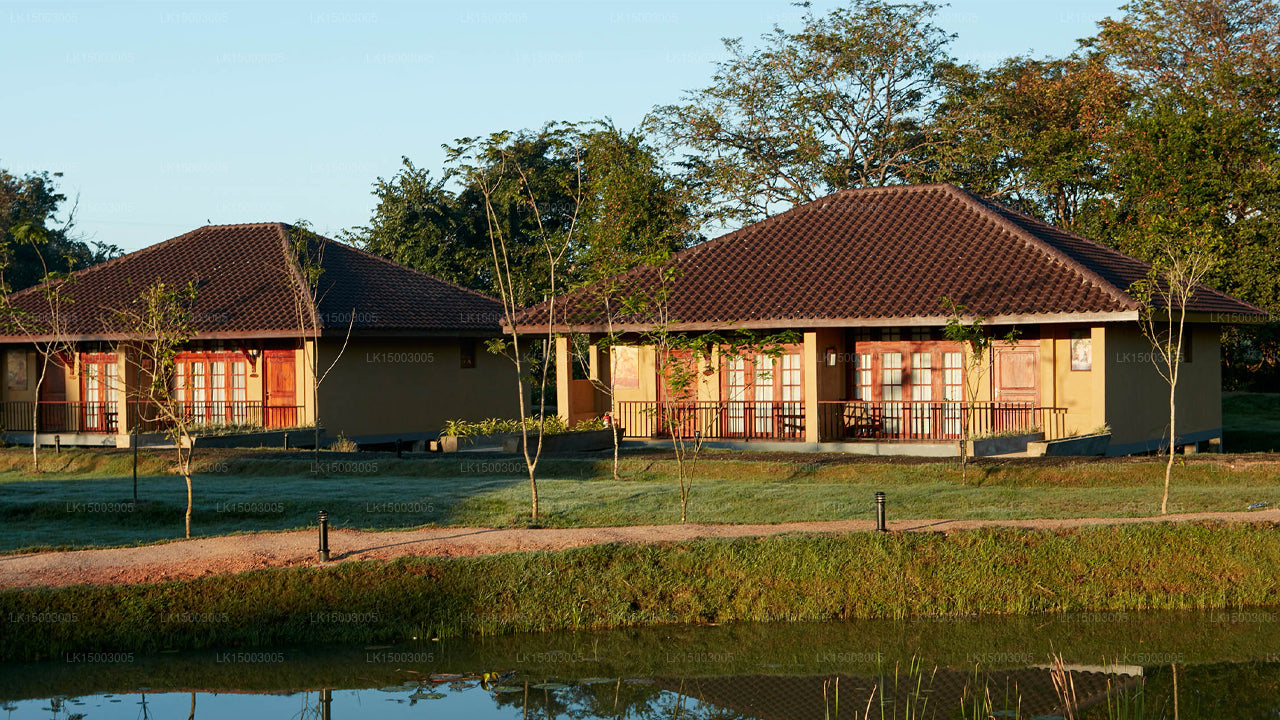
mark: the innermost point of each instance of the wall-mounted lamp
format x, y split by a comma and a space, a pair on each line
253, 354
831, 356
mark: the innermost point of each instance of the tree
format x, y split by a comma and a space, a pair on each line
494, 169
685, 362
47, 328
303, 271
633, 214
418, 222
975, 343
1225, 51
843, 102
441, 226
160, 323
1189, 255
1031, 134
447, 232
33, 201
1202, 144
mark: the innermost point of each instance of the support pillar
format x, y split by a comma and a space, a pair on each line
810, 379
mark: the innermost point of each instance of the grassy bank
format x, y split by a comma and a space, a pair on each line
780, 578
85, 497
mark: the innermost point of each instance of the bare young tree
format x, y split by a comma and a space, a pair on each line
158, 325
493, 168
1165, 294
975, 343
303, 271
46, 328
685, 361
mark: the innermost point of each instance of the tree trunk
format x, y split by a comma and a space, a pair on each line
35, 419
185, 467
533, 489
1173, 444
616, 441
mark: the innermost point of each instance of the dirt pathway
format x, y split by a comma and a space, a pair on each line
238, 553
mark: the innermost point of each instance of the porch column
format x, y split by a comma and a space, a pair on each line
811, 395
123, 428
564, 379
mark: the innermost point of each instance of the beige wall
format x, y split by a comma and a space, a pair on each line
1138, 397
384, 387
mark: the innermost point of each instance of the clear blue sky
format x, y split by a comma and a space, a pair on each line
163, 115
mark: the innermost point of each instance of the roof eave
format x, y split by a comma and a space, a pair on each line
815, 323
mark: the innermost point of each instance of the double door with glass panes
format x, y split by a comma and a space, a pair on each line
910, 391
211, 388
98, 392
764, 396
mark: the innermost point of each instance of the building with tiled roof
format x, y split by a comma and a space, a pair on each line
859, 277
406, 348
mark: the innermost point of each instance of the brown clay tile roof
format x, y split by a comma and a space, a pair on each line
247, 285
881, 255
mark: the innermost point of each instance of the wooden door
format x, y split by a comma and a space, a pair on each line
53, 398
1017, 374
1015, 386
280, 406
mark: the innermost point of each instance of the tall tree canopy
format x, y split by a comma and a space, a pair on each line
1032, 134
1200, 148
34, 240
846, 101
630, 207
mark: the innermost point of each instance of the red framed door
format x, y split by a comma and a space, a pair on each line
280, 406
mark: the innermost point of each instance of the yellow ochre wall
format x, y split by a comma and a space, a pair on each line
1081, 392
1139, 397
384, 387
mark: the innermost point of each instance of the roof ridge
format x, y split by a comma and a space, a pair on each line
980, 206
414, 270
284, 231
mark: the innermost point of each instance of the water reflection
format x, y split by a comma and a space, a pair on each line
1174, 665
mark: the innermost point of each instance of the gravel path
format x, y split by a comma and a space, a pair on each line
187, 559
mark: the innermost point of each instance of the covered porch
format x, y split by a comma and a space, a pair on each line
90, 396
838, 386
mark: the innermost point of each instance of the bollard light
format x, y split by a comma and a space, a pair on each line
324, 536
880, 513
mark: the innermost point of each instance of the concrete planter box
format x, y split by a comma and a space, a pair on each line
454, 443
1083, 445
582, 441
1003, 445
298, 438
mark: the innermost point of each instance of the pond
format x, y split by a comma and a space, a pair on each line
1084, 665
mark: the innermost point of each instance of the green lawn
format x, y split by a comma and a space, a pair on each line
83, 498
1251, 422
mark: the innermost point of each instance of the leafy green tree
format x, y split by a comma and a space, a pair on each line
1031, 134
843, 102
33, 201
417, 222
632, 207
1201, 147
441, 225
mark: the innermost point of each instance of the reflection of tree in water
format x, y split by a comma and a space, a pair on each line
620, 699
